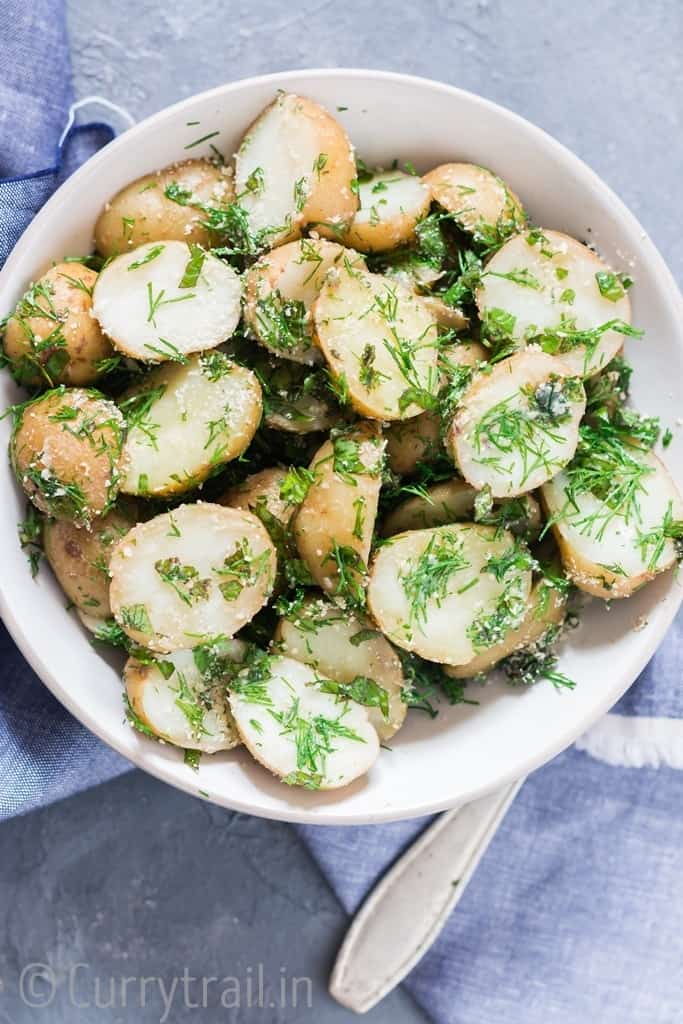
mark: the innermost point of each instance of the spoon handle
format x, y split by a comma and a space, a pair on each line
407, 909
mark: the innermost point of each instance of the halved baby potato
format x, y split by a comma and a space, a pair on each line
280, 289
391, 204
79, 558
380, 340
611, 544
465, 352
413, 442
453, 501
165, 300
190, 575
477, 199
347, 649
67, 453
451, 592
334, 524
448, 318
296, 398
187, 420
298, 731
295, 167
545, 288
52, 338
447, 502
260, 490
546, 609
143, 212
517, 425
176, 700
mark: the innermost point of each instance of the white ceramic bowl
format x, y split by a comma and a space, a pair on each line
467, 750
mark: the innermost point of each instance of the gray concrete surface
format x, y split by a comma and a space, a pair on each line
134, 878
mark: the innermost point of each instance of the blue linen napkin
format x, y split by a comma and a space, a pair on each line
573, 913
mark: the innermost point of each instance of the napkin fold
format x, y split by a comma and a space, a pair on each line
574, 913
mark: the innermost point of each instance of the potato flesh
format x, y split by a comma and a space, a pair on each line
206, 415
478, 198
448, 628
391, 204
340, 510
67, 453
79, 342
291, 274
79, 559
206, 724
221, 559
322, 635
273, 170
149, 316
561, 283
547, 608
604, 553
502, 438
142, 212
378, 338
292, 695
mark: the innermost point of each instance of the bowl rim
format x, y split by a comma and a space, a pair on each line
624, 677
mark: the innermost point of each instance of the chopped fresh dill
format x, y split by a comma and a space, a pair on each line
428, 578
295, 484
283, 324
31, 537
351, 573
183, 579
242, 569
194, 266
152, 254
362, 690
656, 538
135, 616
426, 682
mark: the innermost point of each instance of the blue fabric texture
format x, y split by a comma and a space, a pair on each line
574, 913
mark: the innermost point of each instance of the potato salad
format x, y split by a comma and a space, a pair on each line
315, 443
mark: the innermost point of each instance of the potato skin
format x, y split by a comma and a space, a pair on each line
389, 231
412, 442
79, 558
141, 212
534, 626
327, 515
260, 488
67, 453
492, 205
450, 501
79, 342
332, 201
